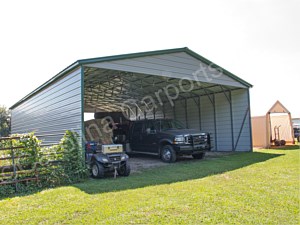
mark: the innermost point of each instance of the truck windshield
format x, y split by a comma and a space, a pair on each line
170, 124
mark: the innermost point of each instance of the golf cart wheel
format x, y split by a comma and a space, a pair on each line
199, 156
277, 142
168, 154
282, 142
97, 170
124, 170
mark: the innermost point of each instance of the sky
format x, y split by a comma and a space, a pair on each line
257, 40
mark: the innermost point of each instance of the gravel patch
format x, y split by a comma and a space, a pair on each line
140, 162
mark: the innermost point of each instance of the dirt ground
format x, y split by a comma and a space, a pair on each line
140, 162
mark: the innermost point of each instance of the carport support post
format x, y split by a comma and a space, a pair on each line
128, 113
229, 99
199, 112
250, 124
174, 111
197, 102
186, 114
244, 120
213, 103
231, 121
215, 122
163, 109
82, 111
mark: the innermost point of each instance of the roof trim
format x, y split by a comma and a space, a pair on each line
82, 62
130, 55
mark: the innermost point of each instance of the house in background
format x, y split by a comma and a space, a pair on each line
296, 122
275, 125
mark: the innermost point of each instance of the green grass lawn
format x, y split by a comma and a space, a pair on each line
244, 188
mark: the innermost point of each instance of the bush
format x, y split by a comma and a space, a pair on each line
73, 157
30, 151
63, 163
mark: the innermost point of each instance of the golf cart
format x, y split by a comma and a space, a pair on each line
106, 158
102, 154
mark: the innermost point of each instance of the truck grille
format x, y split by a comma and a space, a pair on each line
196, 139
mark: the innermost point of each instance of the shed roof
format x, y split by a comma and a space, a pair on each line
278, 108
83, 62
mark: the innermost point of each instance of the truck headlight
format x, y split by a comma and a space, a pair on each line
105, 160
178, 139
124, 157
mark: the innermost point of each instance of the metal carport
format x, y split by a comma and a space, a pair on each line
175, 83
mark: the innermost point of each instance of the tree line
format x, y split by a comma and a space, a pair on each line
4, 121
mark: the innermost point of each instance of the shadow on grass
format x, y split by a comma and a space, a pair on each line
287, 147
177, 172
185, 169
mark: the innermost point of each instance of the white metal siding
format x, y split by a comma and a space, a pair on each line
193, 113
180, 111
223, 123
207, 118
159, 114
149, 115
221, 139
52, 111
175, 65
240, 108
168, 111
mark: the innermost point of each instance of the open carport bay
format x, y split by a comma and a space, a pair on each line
175, 86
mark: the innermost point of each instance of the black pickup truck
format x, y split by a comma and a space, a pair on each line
166, 138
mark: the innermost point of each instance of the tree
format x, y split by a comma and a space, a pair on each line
4, 121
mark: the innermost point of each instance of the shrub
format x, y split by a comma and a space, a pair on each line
73, 161
30, 152
63, 163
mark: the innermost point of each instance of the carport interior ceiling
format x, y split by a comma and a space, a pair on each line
158, 77
108, 90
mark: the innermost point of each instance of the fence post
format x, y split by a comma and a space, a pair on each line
13, 164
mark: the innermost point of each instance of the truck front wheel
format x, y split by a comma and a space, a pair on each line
124, 170
199, 156
97, 170
168, 154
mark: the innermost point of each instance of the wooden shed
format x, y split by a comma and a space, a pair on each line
276, 124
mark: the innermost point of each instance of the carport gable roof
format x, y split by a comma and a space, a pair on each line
83, 62
161, 52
